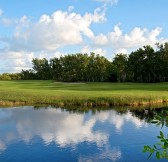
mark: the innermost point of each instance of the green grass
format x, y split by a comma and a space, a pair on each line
83, 94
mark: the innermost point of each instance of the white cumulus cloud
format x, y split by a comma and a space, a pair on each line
54, 125
53, 31
123, 42
15, 61
44, 37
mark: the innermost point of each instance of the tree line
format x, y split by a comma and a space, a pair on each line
142, 65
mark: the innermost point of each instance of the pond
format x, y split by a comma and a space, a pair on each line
50, 134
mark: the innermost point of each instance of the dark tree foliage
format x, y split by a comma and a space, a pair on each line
119, 66
143, 65
71, 68
28, 75
42, 68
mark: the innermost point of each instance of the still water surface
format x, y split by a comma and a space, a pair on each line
54, 135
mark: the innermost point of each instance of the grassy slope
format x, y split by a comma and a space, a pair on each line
89, 94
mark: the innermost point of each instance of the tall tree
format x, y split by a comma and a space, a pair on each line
120, 67
143, 65
42, 68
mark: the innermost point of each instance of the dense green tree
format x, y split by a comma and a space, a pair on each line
42, 68
28, 75
119, 66
162, 60
142, 65
97, 69
56, 69
80, 67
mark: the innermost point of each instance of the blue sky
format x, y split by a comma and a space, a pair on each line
51, 28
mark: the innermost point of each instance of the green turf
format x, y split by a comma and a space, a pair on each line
87, 94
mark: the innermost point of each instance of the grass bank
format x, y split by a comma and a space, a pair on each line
82, 94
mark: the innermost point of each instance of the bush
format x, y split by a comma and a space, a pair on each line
5, 77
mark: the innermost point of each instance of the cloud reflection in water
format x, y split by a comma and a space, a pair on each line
64, 128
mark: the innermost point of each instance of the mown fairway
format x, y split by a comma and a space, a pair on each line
87, 94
